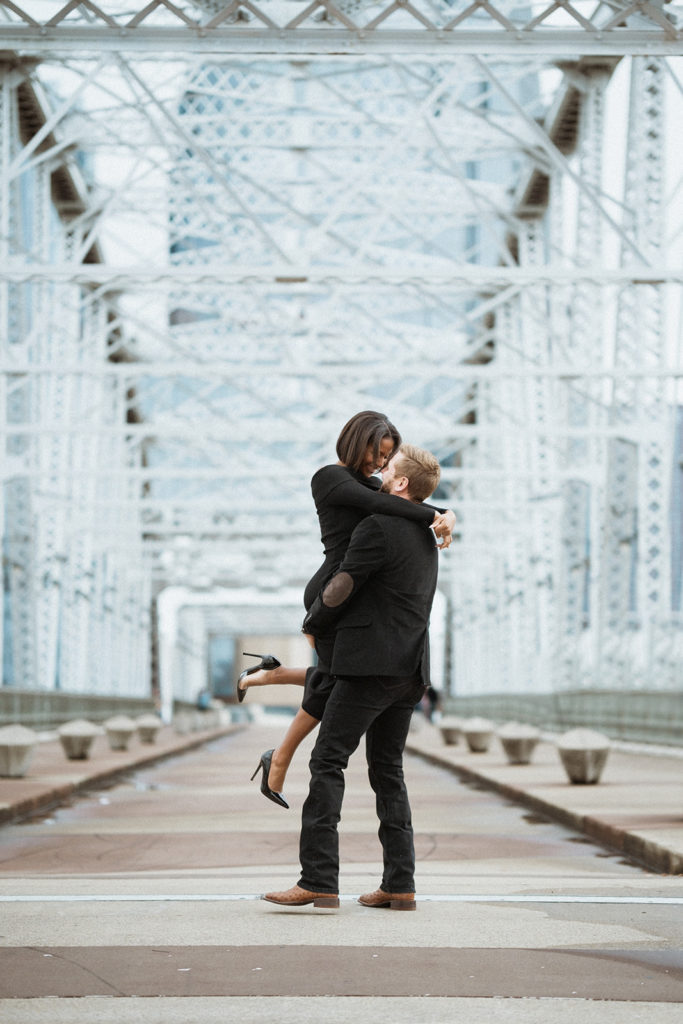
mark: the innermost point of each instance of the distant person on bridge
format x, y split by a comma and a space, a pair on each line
377, 607
344, 494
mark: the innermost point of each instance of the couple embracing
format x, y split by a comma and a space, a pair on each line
369, 618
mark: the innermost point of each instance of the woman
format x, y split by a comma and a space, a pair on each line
344, 494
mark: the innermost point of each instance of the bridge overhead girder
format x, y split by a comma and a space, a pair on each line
440, 28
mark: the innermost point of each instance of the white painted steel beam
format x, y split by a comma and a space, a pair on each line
338, 30
233, 435
337, 43
301, 280
216, 370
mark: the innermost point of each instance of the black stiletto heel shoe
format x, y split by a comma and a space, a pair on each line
264, 766
267, 662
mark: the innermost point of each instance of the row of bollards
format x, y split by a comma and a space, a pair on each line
185, 722
17, 742
583, 752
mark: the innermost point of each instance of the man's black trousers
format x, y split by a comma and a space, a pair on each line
379, 707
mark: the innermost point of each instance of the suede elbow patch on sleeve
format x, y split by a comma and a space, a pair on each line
337, 590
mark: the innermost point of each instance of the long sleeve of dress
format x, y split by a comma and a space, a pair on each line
339, 488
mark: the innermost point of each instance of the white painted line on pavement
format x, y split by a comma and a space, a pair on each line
216, 897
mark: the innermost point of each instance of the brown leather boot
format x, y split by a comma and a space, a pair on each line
392, 900
298, 897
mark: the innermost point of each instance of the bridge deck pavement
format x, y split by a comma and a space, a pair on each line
140, 903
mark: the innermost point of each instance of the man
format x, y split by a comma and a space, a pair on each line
378, 603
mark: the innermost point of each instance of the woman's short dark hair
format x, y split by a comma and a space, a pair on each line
365, 429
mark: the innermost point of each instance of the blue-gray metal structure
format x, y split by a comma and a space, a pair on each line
226, 227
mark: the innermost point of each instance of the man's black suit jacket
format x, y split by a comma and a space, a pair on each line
379, 601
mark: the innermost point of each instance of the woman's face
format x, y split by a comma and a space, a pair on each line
370, 463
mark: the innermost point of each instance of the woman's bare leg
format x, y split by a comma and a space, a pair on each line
301, 725
281, 675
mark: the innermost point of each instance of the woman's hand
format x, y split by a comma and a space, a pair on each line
443, 527
311, 640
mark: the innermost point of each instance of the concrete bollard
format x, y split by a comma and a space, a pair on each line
213, 718
148, 726
201, 721
583, 753
16, 748
224, 716
182, 723
119, 730
451, 729
77, 738
518, 741
478, 732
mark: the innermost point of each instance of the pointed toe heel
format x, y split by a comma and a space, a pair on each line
267, 662
264, 767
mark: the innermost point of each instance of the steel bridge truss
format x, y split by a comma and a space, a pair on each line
208, 261
322, 27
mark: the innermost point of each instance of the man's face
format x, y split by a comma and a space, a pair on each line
391, 474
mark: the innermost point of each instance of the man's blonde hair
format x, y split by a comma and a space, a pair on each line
422, 469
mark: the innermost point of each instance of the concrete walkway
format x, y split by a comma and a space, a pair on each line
140, 905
